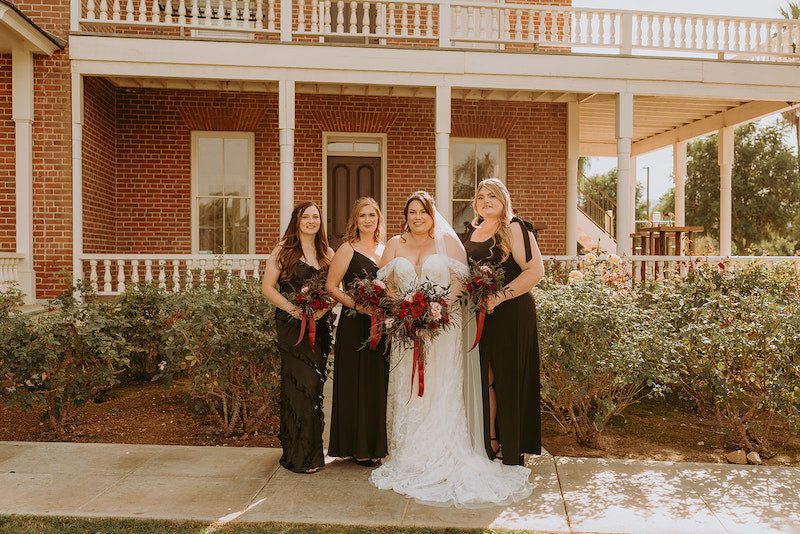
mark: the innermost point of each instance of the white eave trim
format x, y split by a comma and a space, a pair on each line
13, 23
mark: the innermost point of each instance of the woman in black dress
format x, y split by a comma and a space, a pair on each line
302, 253
360, 375
509, 346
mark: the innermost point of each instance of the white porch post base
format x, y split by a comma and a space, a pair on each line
22, 114
573, 153
443, 194
625, 204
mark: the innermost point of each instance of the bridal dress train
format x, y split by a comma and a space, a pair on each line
431, 452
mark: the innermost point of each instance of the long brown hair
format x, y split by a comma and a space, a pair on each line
499, 190
292, 250
428, 205
351, 234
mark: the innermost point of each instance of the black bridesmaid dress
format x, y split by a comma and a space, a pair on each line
302, 378
360, 380
510, 345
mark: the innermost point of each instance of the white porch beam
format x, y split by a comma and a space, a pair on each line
573, 153
725, 157
744, 113
22, 115
443, 112
77, 174
679, 173
624, 131
286, 125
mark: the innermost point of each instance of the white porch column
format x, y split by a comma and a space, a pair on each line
725, 158
634, 177
77, 174
573, 153
443, 193
625, 204
679, 172
22, 114
286, 129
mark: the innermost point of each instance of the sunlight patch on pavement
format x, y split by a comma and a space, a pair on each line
222, 521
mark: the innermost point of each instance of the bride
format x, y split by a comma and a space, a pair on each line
431, 453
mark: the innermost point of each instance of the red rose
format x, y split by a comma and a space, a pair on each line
377, 289
470, 287
317, 304
478, 281
445, 318
419, 297
402, 313
405, 305
363, 291
492, 286
417, 312
374, 299
299, 298
434, 325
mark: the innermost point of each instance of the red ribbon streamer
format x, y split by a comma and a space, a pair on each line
418, 366
481, 318
375, 322
312, 331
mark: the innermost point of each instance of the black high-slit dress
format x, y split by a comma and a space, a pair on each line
302, 378
510, 345
360, 380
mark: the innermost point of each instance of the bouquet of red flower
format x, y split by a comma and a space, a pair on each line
419, 316
370, 294
482, 282
311, 298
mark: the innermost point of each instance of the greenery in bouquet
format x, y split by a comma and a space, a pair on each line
369, 294
310, 299
481, 282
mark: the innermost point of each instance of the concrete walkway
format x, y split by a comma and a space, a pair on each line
222, 484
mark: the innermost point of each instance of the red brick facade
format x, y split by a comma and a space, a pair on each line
99, 166
8, 223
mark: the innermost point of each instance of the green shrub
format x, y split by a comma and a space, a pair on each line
600, 352
62, 359
226, 340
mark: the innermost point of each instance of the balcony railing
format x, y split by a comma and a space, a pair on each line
596, 205
455, 23
9, 269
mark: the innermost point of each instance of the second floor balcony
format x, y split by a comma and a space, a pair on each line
448, 24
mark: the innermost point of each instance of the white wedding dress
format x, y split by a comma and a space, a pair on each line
431, 455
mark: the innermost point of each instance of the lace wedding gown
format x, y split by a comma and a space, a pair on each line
432, 458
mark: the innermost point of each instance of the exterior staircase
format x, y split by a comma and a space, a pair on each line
596, 222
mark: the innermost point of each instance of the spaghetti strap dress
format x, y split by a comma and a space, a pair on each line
302, 378
510, 345
360, 379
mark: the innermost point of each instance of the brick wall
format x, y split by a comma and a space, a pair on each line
99, 166
52, 151
154, 163
536, 152
8, 241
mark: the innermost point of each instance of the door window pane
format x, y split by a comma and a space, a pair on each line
473, 161
463, 170
462, 213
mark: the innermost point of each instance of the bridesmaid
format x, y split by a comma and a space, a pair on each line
302, 252
509, 346
360, 375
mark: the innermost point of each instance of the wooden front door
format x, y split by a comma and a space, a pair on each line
349, 178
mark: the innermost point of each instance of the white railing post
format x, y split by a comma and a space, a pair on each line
626, 34
444, 23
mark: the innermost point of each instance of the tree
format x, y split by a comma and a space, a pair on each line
792, 116
764, 189
607, 183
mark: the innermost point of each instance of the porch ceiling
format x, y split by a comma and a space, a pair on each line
658, 121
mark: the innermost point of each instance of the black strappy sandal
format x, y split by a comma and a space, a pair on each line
498, 454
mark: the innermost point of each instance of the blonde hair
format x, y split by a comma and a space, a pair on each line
351, 234
500, 191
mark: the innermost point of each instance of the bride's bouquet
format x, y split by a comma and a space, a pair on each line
370, 294
482, 281
311, 298
419, 316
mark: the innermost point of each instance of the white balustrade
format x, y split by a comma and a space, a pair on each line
567, 28
9, 269
172, 272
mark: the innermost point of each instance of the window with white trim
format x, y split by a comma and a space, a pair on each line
223, 183
472, 160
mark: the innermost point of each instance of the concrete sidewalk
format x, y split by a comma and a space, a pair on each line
222, 484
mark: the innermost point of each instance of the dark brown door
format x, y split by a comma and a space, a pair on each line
349, 178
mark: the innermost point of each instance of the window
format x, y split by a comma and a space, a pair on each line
223, 219
473, 160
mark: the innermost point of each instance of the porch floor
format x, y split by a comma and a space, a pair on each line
225, 484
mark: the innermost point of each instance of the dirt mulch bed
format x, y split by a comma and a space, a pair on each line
147, 413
